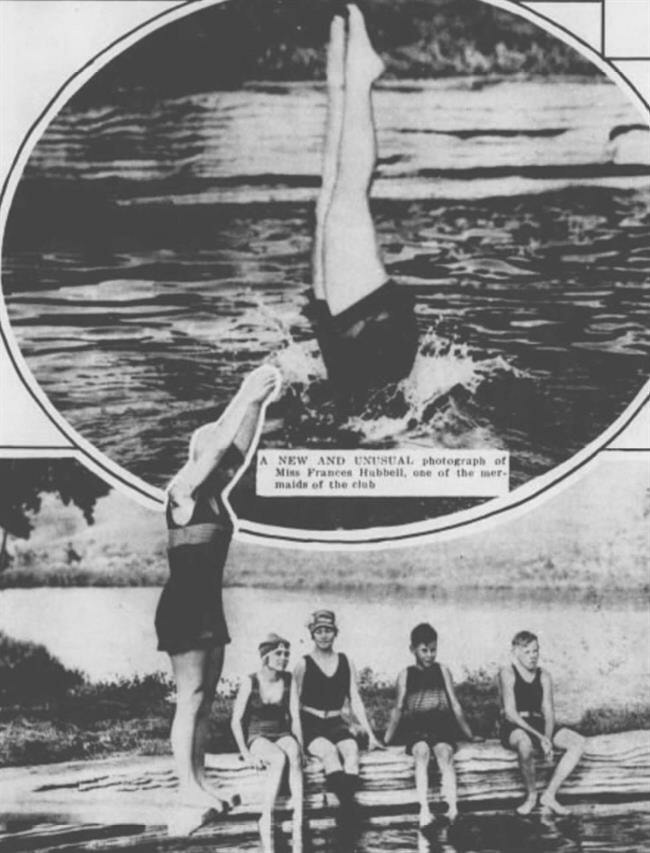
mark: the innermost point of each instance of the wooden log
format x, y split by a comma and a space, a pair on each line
143, 789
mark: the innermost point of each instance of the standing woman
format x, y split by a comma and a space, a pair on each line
190, 621
266, 726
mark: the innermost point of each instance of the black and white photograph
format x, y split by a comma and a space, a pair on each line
324, 426
431, 219
88, 698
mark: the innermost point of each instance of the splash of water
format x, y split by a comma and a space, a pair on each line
440, 368
427, 406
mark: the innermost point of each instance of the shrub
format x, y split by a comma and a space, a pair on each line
29, 674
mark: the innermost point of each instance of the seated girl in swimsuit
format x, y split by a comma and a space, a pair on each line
266, 726
326, 683
365, 324
190, 621
432, 720
529, 721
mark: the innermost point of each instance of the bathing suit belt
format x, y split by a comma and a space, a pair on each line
324, 715
193, 534
385, 298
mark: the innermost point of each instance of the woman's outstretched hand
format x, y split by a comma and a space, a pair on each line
260, 384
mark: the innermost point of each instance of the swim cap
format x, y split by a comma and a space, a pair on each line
322, 619
270, 643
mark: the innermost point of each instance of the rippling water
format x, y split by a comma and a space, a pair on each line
156, 254
603, 829
497, 833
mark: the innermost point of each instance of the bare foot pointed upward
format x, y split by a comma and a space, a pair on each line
362, 59
335, 67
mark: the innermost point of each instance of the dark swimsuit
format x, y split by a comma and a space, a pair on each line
328, 694
190, 610
528, 702
427, 711
270, 720
372, 343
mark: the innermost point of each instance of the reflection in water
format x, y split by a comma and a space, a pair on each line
503, 833
600, 831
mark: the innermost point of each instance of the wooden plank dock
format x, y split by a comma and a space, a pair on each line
120, 800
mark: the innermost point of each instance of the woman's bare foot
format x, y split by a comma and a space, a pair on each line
548, 802
187, 819
362, 60
335, 66
528, 805
452, 811
199, 796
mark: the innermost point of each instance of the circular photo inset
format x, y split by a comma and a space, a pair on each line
432, 219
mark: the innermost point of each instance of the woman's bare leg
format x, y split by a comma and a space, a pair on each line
334, 123
212, 668
352, 266
290, 747
275, 759
191, 700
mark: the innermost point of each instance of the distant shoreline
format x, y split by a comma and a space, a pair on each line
587, 591
231, 43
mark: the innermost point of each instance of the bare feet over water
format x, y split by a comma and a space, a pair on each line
205, 797
528, 805
549, 803
361, 61
452, 812
185, 820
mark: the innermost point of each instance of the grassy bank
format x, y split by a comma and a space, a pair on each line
49, 714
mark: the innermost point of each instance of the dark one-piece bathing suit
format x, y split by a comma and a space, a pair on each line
427, 714
528, 702
372, 343
326, 695
270, 720
190, 610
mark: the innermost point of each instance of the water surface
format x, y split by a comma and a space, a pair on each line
155, 254
594, 650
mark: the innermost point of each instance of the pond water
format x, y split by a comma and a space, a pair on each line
156, 253
594, 829
616, 832
597, 653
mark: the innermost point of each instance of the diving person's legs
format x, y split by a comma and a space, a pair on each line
335, 83
352, 267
